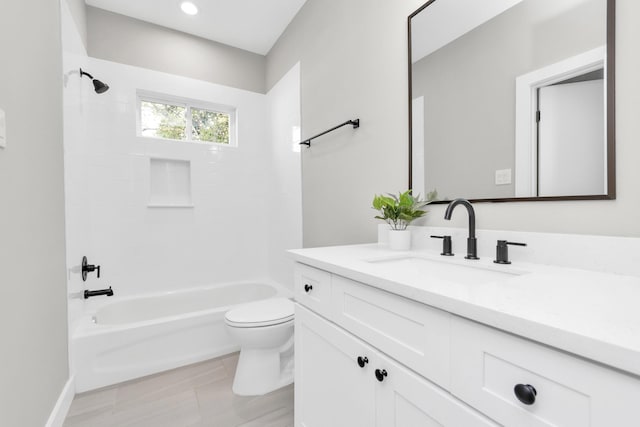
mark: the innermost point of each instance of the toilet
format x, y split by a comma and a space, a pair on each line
264, 330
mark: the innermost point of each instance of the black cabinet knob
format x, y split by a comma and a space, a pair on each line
525, 393
362, 361
307, 287
380, 374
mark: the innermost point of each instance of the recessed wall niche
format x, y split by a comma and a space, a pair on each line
170, 183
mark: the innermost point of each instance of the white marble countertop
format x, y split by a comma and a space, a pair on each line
591, 314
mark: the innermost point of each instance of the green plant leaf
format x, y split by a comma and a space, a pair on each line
399, 210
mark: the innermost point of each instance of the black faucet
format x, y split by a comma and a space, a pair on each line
446, 245
502, 251
472, 251
88, 268
107, 292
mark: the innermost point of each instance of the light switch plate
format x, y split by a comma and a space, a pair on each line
503, 176
3, 129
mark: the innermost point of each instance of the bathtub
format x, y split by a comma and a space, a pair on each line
131, 337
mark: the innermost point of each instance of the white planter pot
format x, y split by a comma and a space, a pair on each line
399, 240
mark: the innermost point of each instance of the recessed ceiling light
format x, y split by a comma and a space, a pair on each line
189, 8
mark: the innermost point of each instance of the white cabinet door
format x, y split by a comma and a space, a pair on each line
331, 388
404, 399
411, 333
521, 383
313, 288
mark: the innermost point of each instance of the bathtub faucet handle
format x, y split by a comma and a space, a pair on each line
88, 268
95, 268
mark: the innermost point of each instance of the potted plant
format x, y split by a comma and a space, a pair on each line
399, 211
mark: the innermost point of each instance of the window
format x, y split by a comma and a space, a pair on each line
167, 117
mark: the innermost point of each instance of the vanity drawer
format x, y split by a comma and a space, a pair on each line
487, 364
313, 288
412, 333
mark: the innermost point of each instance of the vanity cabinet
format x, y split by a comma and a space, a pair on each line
367, 357
343, 382
331, 388
558, 389
313, 288
411, 333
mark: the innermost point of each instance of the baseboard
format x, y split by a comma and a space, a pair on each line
59, 413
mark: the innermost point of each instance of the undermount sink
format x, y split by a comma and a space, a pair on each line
445, 271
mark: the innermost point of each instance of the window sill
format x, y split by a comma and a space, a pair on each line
169, 205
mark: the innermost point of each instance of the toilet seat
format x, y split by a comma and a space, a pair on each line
269, 312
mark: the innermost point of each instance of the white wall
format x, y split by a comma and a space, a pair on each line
285, 203
78, 11
77, 211
33, 358
143, 249
246, 199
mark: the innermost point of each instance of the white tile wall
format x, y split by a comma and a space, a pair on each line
169, 183
77, 212
246, 199
285, 213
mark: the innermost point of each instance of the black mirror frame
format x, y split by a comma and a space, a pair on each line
611, 123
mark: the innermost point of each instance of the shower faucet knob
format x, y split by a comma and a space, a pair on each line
88, 268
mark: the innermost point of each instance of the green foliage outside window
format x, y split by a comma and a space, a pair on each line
209, 126
168, 121
163, 120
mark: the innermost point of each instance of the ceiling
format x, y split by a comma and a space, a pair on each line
443, 22
252, 25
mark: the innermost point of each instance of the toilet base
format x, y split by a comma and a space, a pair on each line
261, 371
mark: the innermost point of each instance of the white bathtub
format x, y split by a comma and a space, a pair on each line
132, 337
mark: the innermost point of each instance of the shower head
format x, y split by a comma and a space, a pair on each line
98, 86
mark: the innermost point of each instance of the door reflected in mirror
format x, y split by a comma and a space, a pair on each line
512, 99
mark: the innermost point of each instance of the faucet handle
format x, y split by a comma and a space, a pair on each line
502, 251
88, 268
446, 245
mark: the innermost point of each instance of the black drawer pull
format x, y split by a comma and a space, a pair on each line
307, 287
362, 361
380, 374
525, 393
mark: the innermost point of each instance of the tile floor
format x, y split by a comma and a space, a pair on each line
193, 396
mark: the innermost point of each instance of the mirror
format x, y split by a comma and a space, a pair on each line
512, 100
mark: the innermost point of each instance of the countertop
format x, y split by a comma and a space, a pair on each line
591, 314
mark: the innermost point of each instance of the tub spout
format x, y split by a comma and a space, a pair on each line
107, 292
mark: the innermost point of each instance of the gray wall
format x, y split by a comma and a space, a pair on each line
33, 318
130, 41
78, 9
472, 81
353, 63
353, 58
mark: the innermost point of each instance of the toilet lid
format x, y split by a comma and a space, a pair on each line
266, 312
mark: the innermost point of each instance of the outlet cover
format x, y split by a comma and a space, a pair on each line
503, 176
